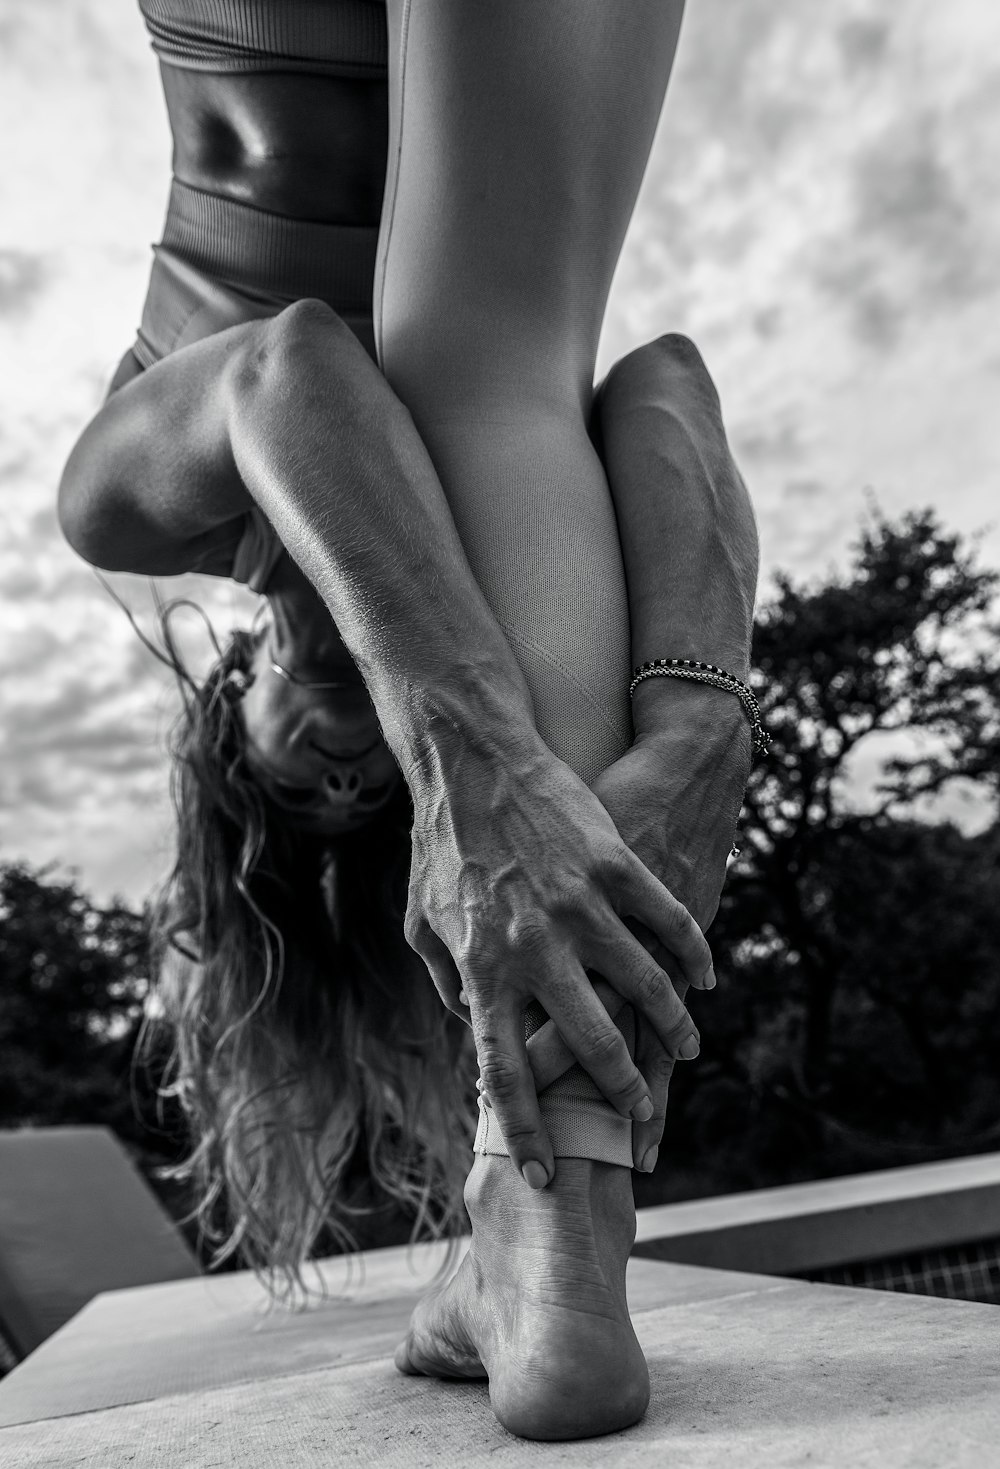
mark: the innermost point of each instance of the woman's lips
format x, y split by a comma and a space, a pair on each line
342, 757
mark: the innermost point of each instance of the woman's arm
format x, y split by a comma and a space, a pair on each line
689, 544
688, 534
291, 415
152, 479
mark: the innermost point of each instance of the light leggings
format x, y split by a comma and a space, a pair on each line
519, 133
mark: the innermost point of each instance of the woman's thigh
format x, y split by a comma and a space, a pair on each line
519, 134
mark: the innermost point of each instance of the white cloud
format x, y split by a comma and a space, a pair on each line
819, 213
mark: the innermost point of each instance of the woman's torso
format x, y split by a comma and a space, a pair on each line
280, 104
307, 147
278, 111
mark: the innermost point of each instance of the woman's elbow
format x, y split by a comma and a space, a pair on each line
74, 514
83, 511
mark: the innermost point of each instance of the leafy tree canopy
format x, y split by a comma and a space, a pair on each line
858, 1024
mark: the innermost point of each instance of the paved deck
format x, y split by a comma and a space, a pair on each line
747, 1371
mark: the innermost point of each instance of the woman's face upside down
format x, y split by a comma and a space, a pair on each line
317, 752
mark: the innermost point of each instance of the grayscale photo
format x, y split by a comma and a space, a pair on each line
500, 734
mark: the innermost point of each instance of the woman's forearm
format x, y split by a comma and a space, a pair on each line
333, 459
688, 535
290, 413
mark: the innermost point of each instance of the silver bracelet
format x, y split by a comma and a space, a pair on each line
697, 672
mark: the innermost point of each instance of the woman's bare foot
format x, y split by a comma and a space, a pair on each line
538, 1303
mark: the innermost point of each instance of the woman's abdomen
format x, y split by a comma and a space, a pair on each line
307, 147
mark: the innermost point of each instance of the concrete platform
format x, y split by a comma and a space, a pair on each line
747, 1371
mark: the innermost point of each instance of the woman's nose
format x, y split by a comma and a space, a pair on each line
343, 786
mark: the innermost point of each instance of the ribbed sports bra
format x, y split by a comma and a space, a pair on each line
345, 38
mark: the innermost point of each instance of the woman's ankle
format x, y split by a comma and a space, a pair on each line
582, 1192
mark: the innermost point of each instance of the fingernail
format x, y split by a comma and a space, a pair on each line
710, 980
534, 1175
643, 1111
689, 1048
463, 998
649, 1160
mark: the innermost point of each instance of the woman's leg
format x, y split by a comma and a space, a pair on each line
518, 138
519, 135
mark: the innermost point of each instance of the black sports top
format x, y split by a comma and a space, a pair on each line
330, 37
221, 262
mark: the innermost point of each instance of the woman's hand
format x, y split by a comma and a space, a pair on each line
677, 811
675, 798
520, 883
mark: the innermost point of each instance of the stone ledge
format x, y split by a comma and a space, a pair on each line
746, 1370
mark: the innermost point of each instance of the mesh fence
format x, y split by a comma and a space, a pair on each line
969, 1272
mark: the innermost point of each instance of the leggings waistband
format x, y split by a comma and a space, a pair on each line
257, 251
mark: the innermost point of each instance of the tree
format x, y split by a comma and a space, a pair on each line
73, 981
859, 1014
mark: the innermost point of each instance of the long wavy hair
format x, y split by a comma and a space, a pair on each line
304, 1033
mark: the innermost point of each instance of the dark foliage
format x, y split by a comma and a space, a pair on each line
73, 980
857, 1024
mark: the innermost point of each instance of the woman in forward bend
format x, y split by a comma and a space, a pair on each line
518, 138
251, 436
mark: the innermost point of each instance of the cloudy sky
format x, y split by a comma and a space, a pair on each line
820, 213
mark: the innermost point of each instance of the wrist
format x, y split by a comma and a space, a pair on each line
693, 726
440, 729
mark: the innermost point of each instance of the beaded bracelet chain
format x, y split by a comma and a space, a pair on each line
697, 672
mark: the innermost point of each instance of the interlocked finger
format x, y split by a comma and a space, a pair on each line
444, 972
642, 982
668, 919
657, 1066
509, 1086
549, 1055
596, 1042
